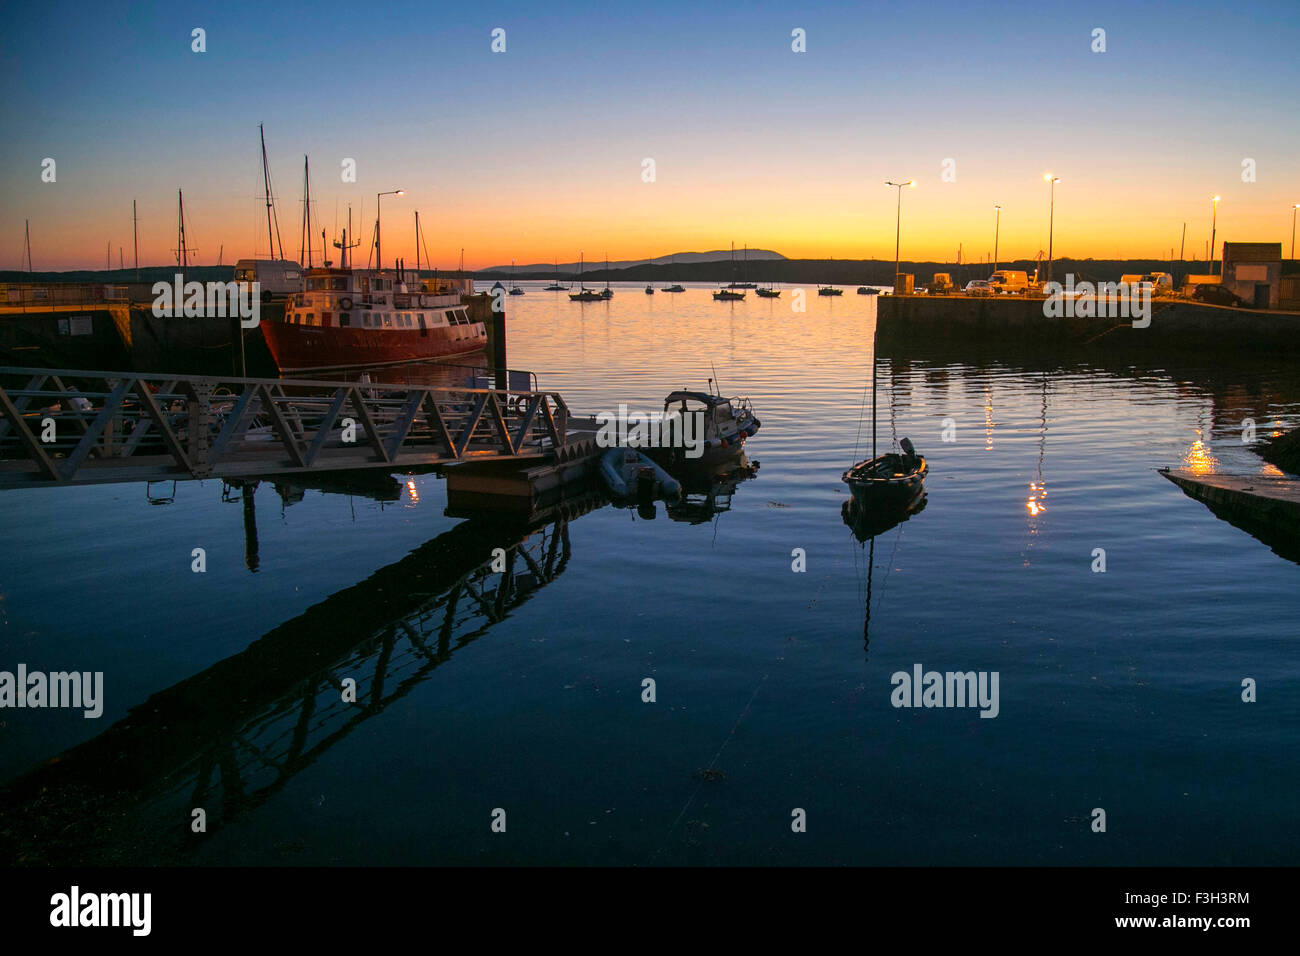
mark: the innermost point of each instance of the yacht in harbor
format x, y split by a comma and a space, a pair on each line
729, 293
584, 294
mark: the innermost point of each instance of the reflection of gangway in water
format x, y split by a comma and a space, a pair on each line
230, 738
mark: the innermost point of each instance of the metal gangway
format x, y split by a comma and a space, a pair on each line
68, 427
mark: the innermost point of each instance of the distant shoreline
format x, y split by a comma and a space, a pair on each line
790, 271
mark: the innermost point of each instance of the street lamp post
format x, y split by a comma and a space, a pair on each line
1051, 221
898, 222
1214, 223
997, 226
379, 257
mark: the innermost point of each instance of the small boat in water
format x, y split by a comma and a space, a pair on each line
607, 292
768, 293
676, 286
829, 290
888, 482
729, 293
628, 474
649, 290
584, 294
555, 286
727, 423
867, 290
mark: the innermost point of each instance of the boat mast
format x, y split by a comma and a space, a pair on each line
135, 239
182, 258
417, 244
27, 242
343, 246
873, 392
306, 174
270, 206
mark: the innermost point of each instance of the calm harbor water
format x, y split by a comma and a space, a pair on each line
1118, 690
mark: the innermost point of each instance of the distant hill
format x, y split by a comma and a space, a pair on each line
540, 270
148, 274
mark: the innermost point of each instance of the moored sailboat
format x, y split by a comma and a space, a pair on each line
555, 286
583, 294
729, 294
888, 482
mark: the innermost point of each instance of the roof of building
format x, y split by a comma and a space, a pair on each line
1256, 251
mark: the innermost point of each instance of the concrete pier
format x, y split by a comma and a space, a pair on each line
1174, 324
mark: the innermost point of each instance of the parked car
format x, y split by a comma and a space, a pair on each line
980, 287
1215, 294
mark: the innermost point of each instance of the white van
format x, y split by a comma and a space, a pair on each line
1006, 281
1157, 283
278, 277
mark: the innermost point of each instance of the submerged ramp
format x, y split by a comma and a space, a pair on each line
1264, 506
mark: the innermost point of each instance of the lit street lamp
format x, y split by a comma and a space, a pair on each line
997, 225
898, 221
379, 258
1214, 223
1051, 221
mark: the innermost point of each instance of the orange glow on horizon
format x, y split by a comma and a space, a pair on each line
828, 218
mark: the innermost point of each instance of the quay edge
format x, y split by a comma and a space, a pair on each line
1174, 324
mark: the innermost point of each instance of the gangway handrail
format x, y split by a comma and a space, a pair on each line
61, 426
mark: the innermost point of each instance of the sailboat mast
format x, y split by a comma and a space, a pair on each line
417, 244
306, 177
266, 180
873, 393
27, 242
182, 257
135, 239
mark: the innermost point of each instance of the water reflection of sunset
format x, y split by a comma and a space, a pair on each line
1199, 460
1037, 502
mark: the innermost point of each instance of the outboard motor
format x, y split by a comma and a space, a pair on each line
646, 486
908, 449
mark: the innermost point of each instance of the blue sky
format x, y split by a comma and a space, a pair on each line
531, 153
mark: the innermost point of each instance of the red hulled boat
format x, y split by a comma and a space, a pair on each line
346, 318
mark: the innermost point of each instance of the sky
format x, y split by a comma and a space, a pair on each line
539, 152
